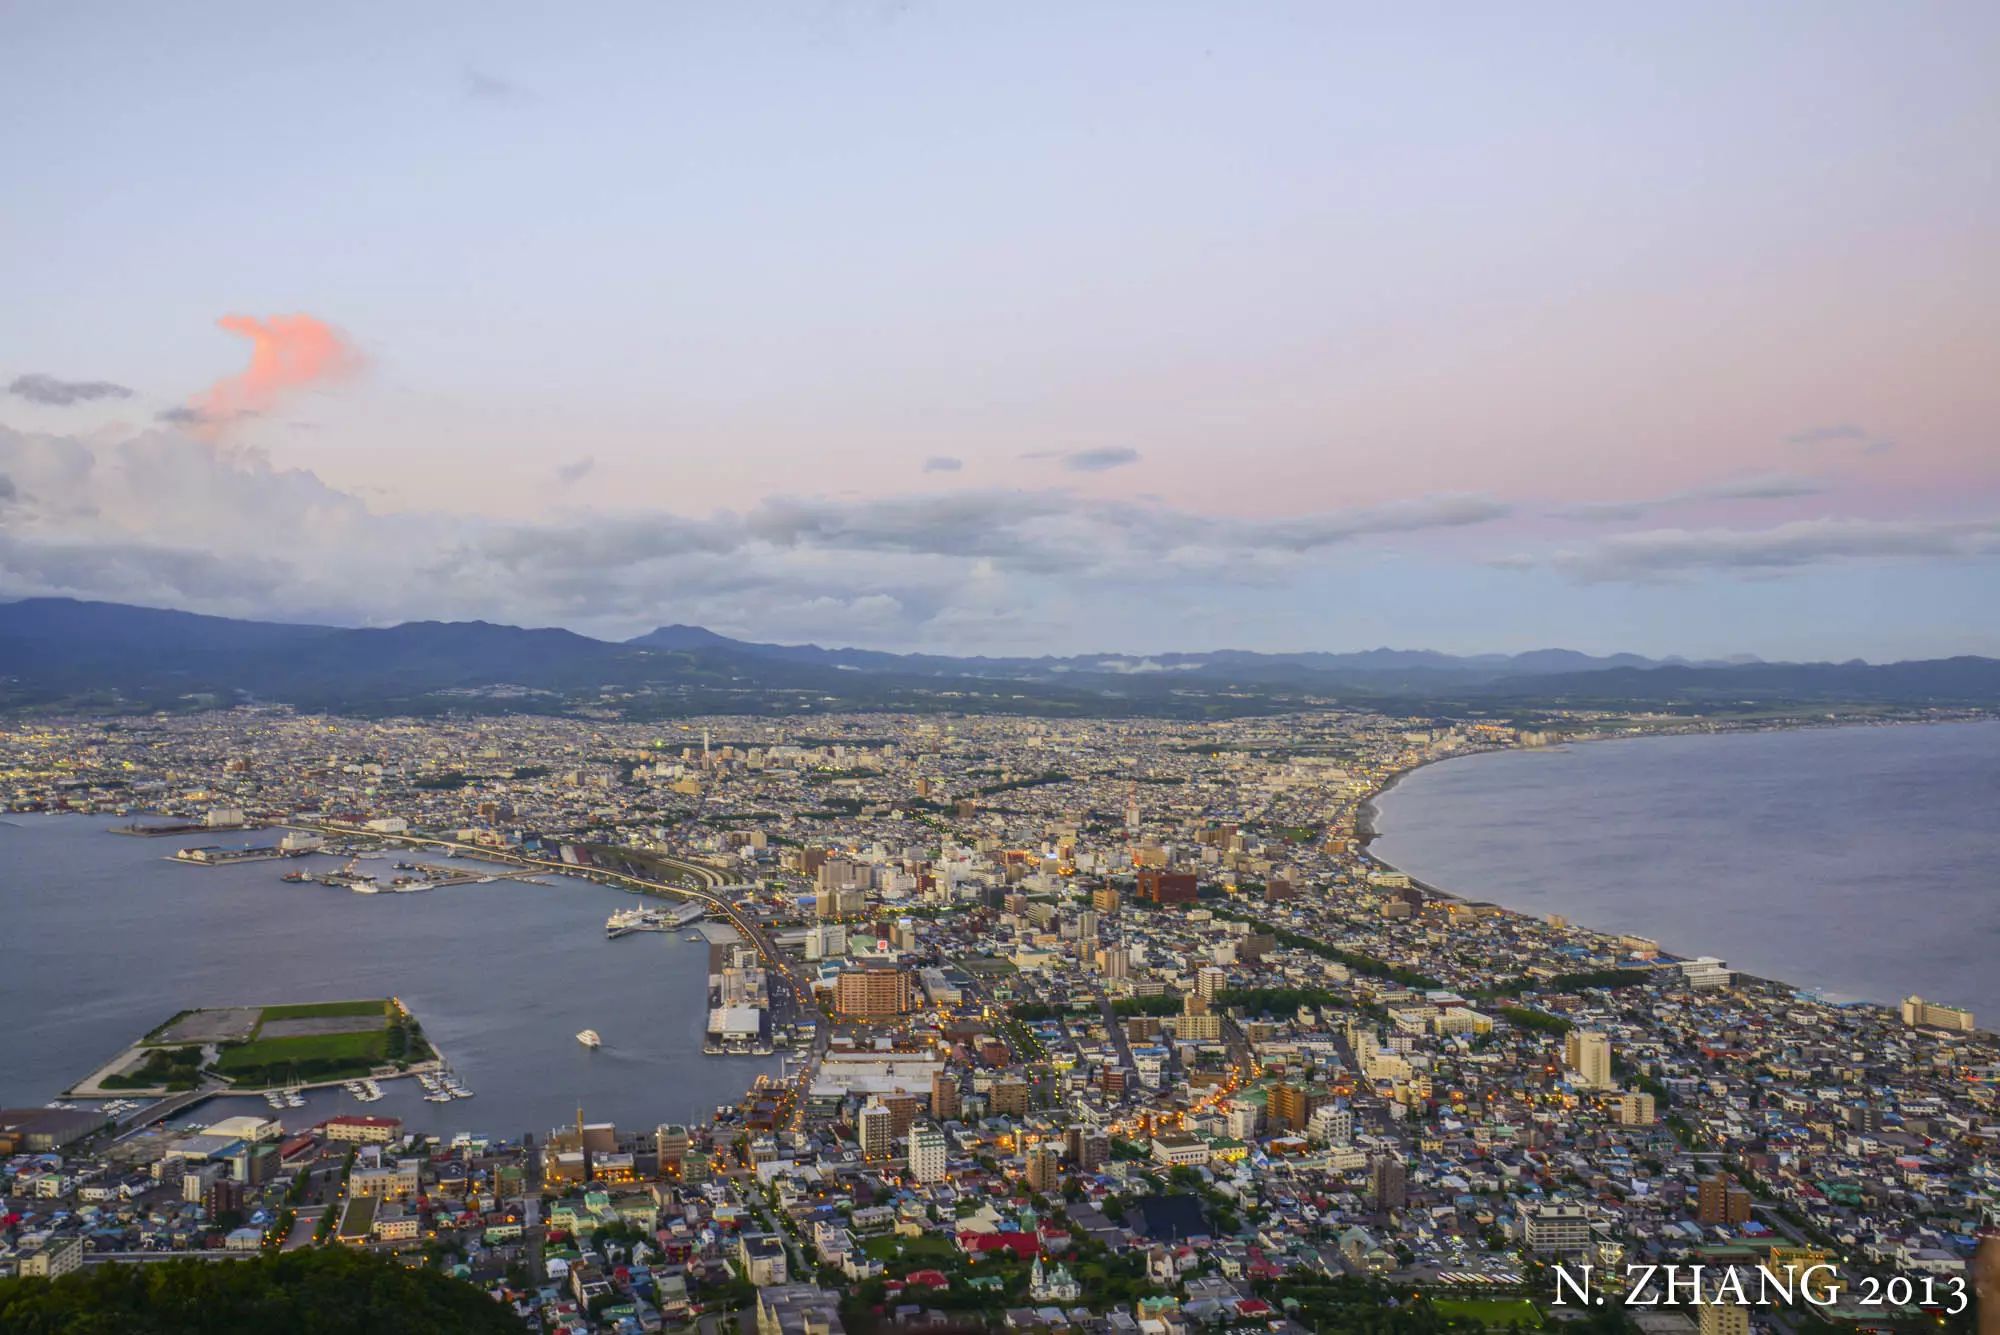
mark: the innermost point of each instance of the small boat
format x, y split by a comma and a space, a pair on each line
297, 878
589, 1038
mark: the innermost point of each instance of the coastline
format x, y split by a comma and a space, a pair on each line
1368, 830
460, 1012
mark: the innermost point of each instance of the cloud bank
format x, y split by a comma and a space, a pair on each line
172, 517
1662, 554
1753, 487
52, 392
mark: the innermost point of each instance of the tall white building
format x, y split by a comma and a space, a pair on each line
1552, 1229
1331, 1124
1587, 1053
826, 941
927, 1153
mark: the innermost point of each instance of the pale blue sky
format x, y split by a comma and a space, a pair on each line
664, 308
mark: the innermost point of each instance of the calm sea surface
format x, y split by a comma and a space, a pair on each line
100, 940
1861, 862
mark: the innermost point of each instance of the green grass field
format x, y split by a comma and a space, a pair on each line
281, 1059
1493, 1313
264, 1052
315, 1009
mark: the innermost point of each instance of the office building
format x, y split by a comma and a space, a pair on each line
1161, 886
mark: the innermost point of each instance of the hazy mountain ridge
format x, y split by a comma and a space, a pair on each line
56, 652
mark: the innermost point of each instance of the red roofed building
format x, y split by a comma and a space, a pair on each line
1024, 1245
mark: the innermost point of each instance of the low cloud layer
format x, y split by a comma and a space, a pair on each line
481, 86
1753, 487
177, 518
1841, 435
172, 517
1661, 554
52, 392
1089, 461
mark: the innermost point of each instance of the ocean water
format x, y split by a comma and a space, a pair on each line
1860, 862
101, 938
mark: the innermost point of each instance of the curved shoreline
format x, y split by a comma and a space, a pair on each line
1367, 830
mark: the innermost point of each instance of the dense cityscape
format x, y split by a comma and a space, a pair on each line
1109, 1026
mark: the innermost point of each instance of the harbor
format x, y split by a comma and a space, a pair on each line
411, 877
188, 940
649, 918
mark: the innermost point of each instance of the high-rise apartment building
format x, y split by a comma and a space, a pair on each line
1044, 1167
874, 993
1556, 1230
1289, 1107
945, 1102
1009, 1097
1722, 1200
1637, 1108
873, 1126
1387, 1182
1587, 1054
1088, 1148
927, 1153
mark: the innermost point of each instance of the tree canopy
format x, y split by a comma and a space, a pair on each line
315, 1292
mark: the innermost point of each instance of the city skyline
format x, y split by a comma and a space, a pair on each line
912, 329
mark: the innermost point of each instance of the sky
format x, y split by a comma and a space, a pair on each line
1022, 328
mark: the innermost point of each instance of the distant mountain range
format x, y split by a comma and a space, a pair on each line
61, 653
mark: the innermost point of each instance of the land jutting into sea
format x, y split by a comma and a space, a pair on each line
1145, 975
